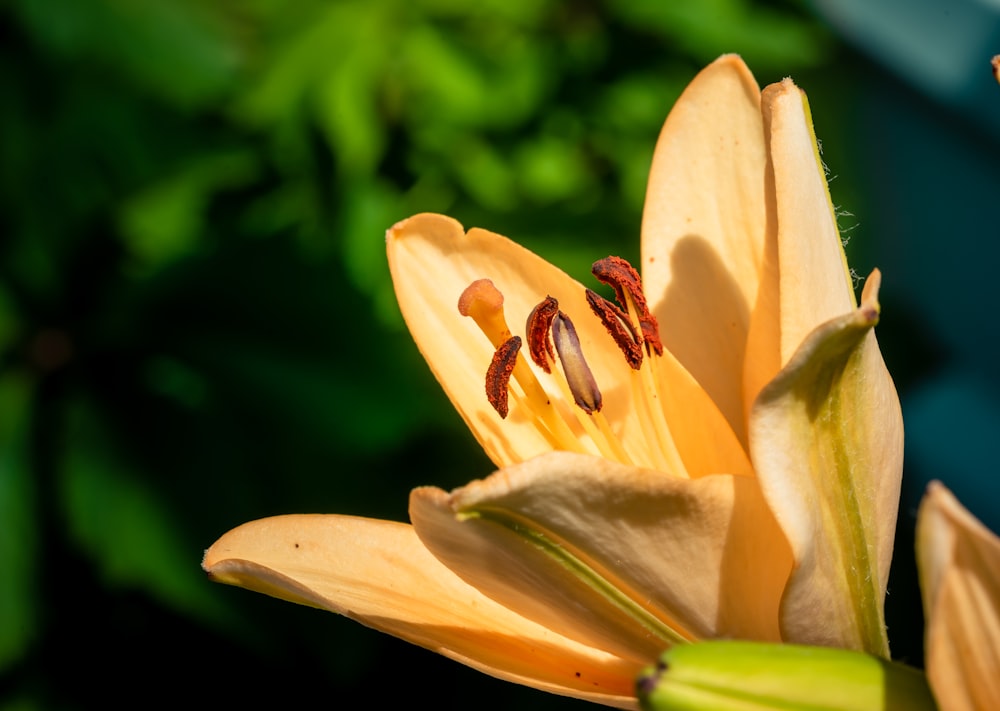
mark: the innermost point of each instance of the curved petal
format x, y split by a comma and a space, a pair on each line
703, 228
613, 556
378, 573
959, 563
704, 437
815, 280
805, 281
827, 444
433, 260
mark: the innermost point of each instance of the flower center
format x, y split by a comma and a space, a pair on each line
552, 340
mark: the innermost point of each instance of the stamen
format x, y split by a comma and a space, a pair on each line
484, 303
619, 325
624, 279
565, 427
499, 372
578, 376
537, 331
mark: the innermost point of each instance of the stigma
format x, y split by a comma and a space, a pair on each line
551, 337
483, 303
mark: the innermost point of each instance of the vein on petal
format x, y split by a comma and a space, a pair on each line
826, 439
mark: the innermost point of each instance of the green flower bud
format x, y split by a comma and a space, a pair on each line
751, 676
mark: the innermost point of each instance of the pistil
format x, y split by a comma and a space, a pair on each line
483, 302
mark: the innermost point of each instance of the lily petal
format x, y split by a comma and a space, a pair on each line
703, 228
704, 437
619, 558
959, 563
827, 443
805, 279
378, 573
815, 281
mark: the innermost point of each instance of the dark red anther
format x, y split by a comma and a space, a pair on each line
537, 328
623, 278
499, 372
619, 326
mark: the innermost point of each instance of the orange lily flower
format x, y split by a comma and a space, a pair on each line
718, 455
959, 563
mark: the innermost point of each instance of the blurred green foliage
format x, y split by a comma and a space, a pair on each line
196, 318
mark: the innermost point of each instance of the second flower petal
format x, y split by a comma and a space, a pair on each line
618, 558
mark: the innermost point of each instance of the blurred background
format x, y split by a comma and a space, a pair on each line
197, 326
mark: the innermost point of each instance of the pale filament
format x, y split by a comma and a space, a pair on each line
647, 392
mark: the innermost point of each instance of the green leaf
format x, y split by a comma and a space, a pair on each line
18, 542
181, 50
167, 219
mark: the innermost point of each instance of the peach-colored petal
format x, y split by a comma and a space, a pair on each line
827, 444
959, 563
618, 558
805, 280
703, 228
816, 283
704, 437
378, 573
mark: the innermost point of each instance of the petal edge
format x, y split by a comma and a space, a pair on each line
378, 573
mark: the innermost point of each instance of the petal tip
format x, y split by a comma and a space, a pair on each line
423, 222
870, 308
730, 63
731, 59
429, 495
773, 93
